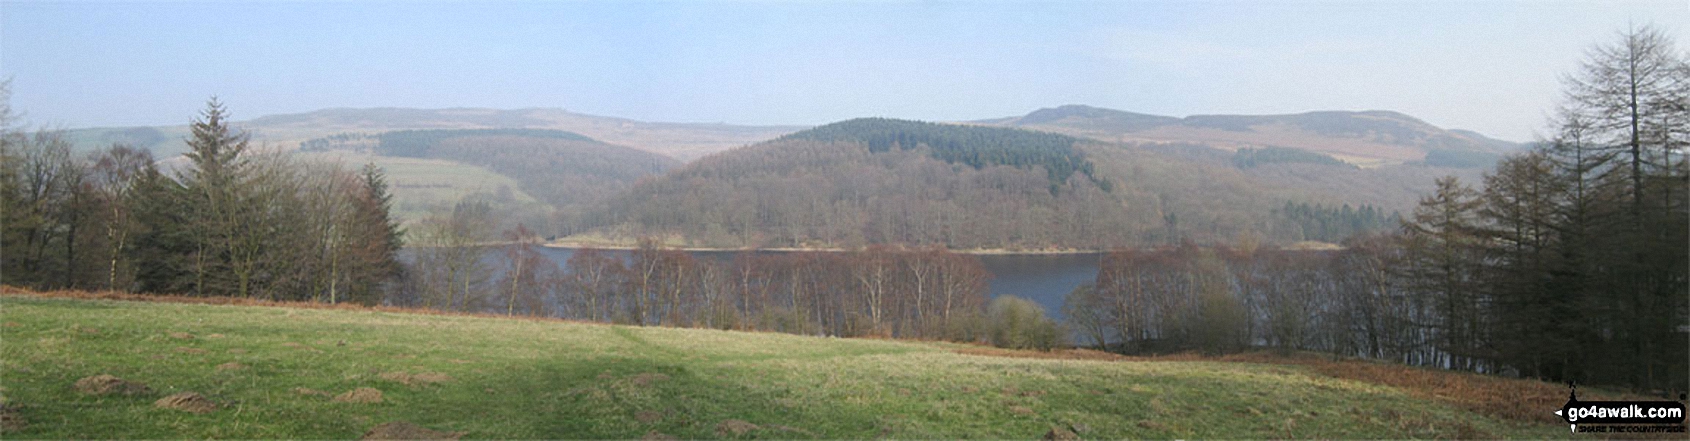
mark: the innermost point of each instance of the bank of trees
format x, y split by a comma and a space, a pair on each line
230, 221
924, 293
1568, 262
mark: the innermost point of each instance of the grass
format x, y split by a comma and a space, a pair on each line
514, 378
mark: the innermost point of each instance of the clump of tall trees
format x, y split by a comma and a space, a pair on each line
227, 221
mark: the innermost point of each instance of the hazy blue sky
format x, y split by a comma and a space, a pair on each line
1488, 66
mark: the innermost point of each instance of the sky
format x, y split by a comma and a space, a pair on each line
1491, 66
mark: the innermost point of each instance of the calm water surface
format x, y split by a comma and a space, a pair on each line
1042, 278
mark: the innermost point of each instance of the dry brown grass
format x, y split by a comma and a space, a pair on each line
1498, 397
7, 290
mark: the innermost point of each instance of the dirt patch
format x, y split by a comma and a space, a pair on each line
10, 421
1150, 425
214, 336
658, 436
647, 379
231, 366
188, 350
735, 427
105, 384
187, 401
11, 324
457, 361
421, 379
648, 417
181, 336
360, 395
405, 430
311, 392
1061, 434
806, 433
237, 351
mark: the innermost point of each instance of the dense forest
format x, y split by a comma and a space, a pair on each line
230, 222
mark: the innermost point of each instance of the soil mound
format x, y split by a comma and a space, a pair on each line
105, 384
647, 379
312, 392
404, 430
735, 427
187, 401
10, 421
360, 395
421, 379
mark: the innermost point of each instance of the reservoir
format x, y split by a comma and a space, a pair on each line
1043, 278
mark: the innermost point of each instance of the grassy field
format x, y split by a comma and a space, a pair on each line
272, 372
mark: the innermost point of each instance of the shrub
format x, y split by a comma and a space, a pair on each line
1018, 323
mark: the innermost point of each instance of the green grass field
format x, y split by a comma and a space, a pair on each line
504, 378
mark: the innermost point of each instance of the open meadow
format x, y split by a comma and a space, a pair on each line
291, 372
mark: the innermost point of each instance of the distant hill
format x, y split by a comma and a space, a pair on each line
566, 170
682, 141
962, 186
1367, 138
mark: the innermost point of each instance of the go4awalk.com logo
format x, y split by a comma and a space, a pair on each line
1622, 416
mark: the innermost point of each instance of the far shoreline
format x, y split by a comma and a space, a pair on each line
576, 245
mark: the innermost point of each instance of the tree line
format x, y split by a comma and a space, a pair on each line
920, 293
228, 221
1568, 262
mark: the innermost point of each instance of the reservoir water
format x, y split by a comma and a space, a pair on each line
1045, 279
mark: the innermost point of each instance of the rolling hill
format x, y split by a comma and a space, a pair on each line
105, 369
875, 180
1156, 178
1369, 138
565, 171
682, 141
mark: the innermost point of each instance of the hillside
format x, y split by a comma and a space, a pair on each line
1370, 138
871, 181
288, 372
682, 141
567, 172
